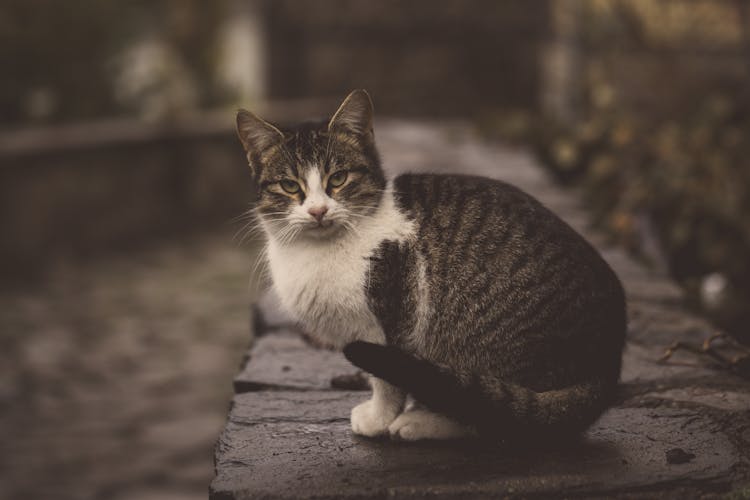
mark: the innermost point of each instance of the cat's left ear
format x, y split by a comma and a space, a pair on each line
255, 133
354, 116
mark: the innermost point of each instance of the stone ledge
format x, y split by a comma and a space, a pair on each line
284, 361
289, 437
298, 443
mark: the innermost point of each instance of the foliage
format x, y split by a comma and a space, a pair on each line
663, 155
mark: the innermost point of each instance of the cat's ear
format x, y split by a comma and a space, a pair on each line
256, 134
354, 116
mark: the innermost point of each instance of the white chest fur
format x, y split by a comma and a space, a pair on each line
322, 282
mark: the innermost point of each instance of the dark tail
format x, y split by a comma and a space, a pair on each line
494, 407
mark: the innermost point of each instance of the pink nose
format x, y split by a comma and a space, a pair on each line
318, 212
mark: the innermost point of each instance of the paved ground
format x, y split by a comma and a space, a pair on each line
680, 429
115, 376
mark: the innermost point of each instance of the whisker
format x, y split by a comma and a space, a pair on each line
260, 267
242, 217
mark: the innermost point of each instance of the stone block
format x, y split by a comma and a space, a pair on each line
295, 444
286, 361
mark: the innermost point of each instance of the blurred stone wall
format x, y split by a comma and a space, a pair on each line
419, 57
167, 58
86, 189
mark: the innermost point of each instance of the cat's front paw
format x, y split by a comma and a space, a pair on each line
371, 420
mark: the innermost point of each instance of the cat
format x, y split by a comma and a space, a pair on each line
465, 293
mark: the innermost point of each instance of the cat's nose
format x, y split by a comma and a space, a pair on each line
318, 212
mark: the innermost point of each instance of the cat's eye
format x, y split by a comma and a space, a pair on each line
289, 186
337, 179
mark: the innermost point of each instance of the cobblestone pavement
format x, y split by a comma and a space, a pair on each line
680, 429
116, 374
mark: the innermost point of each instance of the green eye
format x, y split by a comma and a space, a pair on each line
289, 186
338, 178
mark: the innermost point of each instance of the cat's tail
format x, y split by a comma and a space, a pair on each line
492, 406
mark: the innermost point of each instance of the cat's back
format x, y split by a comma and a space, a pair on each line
462, 218
507, 270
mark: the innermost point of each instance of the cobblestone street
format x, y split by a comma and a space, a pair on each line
116, 374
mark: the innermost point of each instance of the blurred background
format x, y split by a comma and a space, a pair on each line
124, 260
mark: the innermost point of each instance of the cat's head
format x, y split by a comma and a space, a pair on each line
319, 179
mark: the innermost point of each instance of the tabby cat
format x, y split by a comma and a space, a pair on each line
463, 292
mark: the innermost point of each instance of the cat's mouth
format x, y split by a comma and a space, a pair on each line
323, 229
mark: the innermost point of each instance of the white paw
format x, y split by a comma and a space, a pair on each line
421, 424
371, 420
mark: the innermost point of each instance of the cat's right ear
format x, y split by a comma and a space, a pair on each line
256, 135
354, 116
